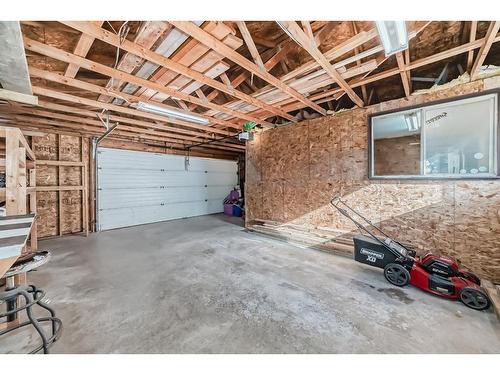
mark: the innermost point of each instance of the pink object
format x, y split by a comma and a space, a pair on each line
234, 195
228, 209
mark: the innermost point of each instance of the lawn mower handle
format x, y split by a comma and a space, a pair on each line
347, 211
335, 200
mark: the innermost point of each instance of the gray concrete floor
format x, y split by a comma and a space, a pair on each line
205, 285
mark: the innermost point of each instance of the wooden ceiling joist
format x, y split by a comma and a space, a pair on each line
61, 55
472, 37
195, 56
138, 126
121, 119
313, 66
308, 44
252, 48
146, 37
306, 25
209, 150
124, 131
292, 106
112, 107
357, 50
485, 47
402, 72
278, 54
308, 83
93, 127
205, 38
54, 77
113, 39
171, 44
82, 48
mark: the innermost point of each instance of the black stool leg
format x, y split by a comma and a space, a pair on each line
34, 321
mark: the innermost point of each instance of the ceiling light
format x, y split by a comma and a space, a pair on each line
412, 121
393, 36
171, 113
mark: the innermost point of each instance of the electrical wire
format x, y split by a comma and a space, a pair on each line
122, 34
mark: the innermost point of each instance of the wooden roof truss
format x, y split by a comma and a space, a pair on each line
201, 68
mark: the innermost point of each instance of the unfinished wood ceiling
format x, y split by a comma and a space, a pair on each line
229, 73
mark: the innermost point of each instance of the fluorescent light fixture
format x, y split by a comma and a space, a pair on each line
171, 113
412, 121
393, 35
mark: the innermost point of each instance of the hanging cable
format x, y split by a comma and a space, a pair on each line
122, 34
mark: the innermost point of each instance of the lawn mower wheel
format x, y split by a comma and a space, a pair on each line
474, 298
396, 274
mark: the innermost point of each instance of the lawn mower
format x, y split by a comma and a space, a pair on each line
435, 274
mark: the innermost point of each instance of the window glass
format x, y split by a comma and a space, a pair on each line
459, 139
397, 144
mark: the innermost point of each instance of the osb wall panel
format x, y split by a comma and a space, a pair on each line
294, 171
50, 208
397, 156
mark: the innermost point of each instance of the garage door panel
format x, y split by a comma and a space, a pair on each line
200, 164
129, 216
116, 198
115, 179
138, 187
122, 159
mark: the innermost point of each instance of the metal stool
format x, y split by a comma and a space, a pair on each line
32, 296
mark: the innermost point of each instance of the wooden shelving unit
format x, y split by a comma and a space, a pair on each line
17, 161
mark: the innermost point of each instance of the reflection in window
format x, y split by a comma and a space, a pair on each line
397, 144
454, 139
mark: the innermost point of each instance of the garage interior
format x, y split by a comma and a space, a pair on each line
171, 186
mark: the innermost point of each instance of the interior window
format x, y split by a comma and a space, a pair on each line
454, 139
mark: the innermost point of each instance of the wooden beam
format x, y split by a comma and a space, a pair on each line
390, 72
407, 62
326, 95
357, 50
18, 97
264, 42
61, 55
146, 37
207, 39
225, 79
308, 31
97, 128
343, 48
278, 54
472, 37
163, 61
485, 48
191, 54
54, 77
298, 34
115, 118
81, 49
112, 107
402, 73
125, 131
250, 44
450, 53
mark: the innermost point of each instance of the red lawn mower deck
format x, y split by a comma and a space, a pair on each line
435, 274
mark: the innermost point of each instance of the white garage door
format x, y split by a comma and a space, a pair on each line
142, 187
